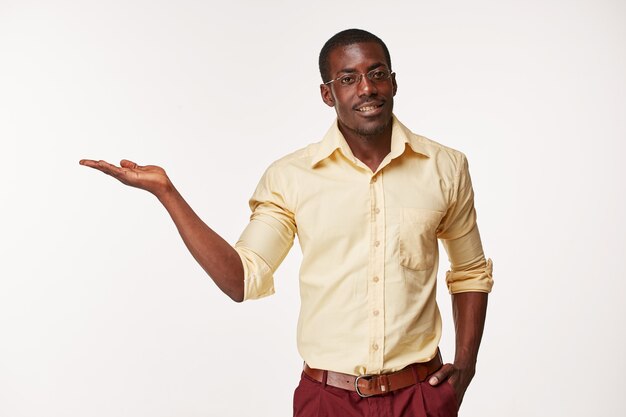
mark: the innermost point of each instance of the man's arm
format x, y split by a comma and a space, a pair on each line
216, 256
469, 281
469, 310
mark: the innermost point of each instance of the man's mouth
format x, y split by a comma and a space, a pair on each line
368, 107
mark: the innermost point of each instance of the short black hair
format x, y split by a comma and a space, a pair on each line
345, 38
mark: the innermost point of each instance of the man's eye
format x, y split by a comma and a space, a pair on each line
346, 79
378, 75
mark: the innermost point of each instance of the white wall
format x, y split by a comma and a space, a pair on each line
104, 313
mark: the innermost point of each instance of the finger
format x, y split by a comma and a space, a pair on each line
109, 169
441, 375
125, 163
88, 162
99, 165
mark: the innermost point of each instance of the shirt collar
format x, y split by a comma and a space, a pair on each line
400, 136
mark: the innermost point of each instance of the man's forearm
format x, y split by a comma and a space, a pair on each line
469, 310
216, 256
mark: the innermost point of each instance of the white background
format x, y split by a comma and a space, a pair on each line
104, 313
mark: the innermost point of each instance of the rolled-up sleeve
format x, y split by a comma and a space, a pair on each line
469, 270
268, 237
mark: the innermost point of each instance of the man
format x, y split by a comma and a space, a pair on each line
368, 203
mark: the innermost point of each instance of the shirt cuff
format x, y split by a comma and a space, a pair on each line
258, 278
478, 278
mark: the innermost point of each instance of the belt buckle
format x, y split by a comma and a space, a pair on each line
356, 385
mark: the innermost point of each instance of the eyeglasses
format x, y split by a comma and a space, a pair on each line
375, 75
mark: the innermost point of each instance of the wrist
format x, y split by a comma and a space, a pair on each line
466, 369
465, 364
166, 193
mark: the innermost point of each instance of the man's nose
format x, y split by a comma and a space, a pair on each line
365, 86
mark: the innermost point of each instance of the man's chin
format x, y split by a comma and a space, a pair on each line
366, 128
375, 130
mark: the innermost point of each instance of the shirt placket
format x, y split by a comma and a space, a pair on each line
376, 280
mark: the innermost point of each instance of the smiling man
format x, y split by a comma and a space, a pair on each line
368, 204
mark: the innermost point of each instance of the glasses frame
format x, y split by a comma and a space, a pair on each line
360, 75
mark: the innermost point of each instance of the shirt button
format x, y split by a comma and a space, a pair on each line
375, 347
374, 179
377, 243
377, 210
375, 279
376, 312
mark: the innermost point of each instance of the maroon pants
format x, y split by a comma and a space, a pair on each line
314, 399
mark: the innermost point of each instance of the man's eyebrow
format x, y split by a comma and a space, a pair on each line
371, 67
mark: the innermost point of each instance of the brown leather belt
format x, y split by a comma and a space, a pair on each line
369, 385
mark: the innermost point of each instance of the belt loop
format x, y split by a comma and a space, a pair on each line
417, 377
324, 378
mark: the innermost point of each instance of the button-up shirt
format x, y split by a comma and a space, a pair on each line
369, 245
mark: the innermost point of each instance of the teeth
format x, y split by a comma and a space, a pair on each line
368, 108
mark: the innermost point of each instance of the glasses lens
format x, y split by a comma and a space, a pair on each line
378, 74
348, 79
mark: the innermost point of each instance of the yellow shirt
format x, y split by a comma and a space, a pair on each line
369, 244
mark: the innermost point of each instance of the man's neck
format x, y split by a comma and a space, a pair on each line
369, 149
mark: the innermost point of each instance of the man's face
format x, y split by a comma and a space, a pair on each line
366, 106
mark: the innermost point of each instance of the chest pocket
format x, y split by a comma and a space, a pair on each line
418, 238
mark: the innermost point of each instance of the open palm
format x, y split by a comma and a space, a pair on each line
151, 178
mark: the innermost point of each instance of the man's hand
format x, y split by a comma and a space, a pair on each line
458, 378
150, 177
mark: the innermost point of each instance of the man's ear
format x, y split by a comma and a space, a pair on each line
394, 83
327, 95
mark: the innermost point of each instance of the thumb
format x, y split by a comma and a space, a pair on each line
125, 163
441, 375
